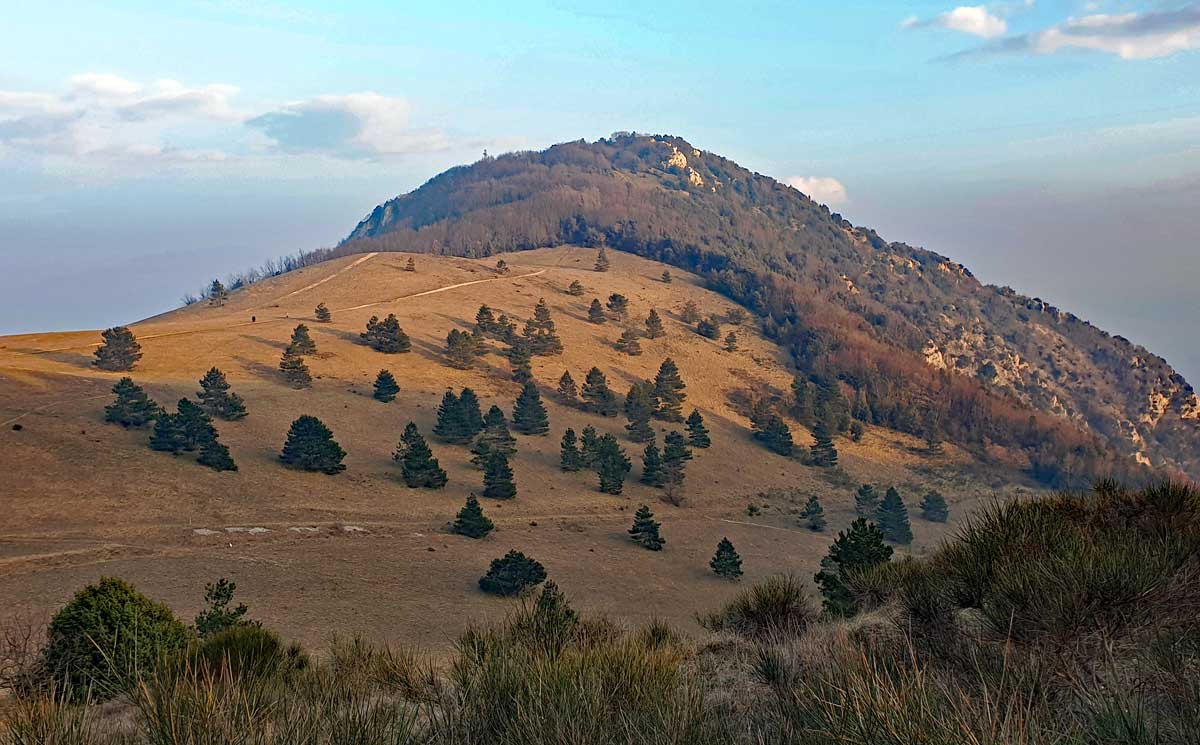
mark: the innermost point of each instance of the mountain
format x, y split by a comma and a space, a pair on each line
911, 335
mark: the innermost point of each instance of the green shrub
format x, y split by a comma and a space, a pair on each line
106, 634
777, 605
511, 574
247, 649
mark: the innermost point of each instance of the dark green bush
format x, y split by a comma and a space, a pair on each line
247, 649
777, 605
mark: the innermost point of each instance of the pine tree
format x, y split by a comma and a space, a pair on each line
567, 392
856, 549
824, 454
518, 357
498, 477
302, 342
167, 436
132, 407
709, 328
495, 436
215, 455
802, 402
195, 423
575, 288
628, 343
485, 321
892, 518
529, 413
654, 325
539, 333
618, 304
322, 313
675, 456
731, 342
736, 316
570, 459
588, 443
690, 313
511, 574
295, 372
866, 501
217, 294
596, 312
468, 404
645, 530
726, 563
813, 515
502, 266
479, 345
597, 397
856, 431
460, 350
451, 425
697, 432
602, 260
386, 336
770, 429
418, 467
666, 277
652, 473
668, 389
410, 265
639, 408
471, 521
934, 508
931, 430
386, 387
611, 464
310, 446
119, 352
217, 399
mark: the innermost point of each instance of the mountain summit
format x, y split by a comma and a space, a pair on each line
916, 339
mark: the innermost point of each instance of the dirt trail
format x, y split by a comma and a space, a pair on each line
320, 282
441, 289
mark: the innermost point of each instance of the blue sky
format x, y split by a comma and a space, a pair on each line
1051, 146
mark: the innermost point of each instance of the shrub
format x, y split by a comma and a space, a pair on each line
777, 605
108, 632
511, 574
247, 650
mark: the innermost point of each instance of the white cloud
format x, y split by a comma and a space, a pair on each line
1130, 36
824, 189
976, 20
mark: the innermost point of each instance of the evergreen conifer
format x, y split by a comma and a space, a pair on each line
934, 508
539, 333
295, 372
618, 305
386, 387
597, 397
386, 336
824, 454
892, 518
690, 313
167, 436
215, 455
654, 325
726, 563
596, 312
217, 294
460, 350
639, 408
567, 392
628, 343
310, 446
509, 575
813, 515
495, 436
645, 530
709, 328
195, 423
668, 389
471, 521
575, 288
611, 464
119, 351
570, 458
601, 260
485, 321
697, 433
519, 358
529, 413
498, 477
731, 342
322, 314
468, 404
217, 399
302, 342
418, 467
856, 549
410, 265
652, 473
866, 501
132, 407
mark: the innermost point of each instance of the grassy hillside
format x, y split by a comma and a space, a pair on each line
359, 550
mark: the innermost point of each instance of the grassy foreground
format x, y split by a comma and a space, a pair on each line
1069, 620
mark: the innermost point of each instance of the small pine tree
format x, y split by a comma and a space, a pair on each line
485, 321
506, 330
511, 574
410, 265
529, 413
823, 452
628, 343
652, 473
575, 288
119, 351
386, 387
934, 508
295, 372
709, 328
802, 400
519, 359
197, 426
639, 408
771, 430
611, 464
813, 515
460, 350
539, 333
856, 549
690, 313
736, 316
215, 455
217, 615
570, 459
322, 314
726, 563
618, 305
386, 336
668, 389
502, 266
588, 443
567, 392
866, 501
601, 260
452, 425
418, 467
596, 312
597, 397
471, 521
468, 404
302, 342
645, 530
217, 399
498, 477
310, 446
654, 325
495, 436
132, 407
697, 432
167, 436
731, 342
217, 294
892, 518
675, 456
666, 277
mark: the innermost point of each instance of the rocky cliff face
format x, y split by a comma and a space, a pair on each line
688, 206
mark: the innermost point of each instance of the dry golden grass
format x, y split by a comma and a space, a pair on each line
83, 499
